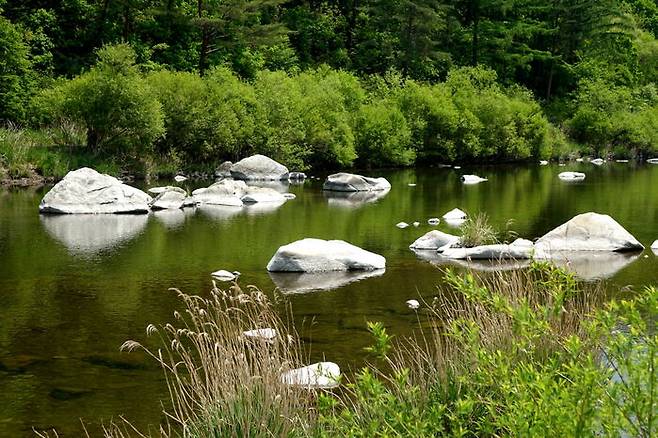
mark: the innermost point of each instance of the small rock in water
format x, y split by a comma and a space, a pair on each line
455, 213
264, 334
180, 178
561, 164
652, 161
472, 179
433, 221
413, 304
411, 185
579, 160
543, 163
321, 375
416, 224
621, 161
224, 275
457, 167
597, 161
571, 176
402, 225
654, 245
289, 196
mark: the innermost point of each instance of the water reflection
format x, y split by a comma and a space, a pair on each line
88, 234
594, 265
173, 218
294, 282
262, 208
219, 212
353, 199
477, 265
279, 186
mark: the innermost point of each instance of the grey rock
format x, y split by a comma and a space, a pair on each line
435, 239
259, 167
171, 198
349, 182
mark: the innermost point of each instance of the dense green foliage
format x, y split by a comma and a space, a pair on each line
335, 83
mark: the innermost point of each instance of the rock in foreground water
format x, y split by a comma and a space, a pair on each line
317, 255
259, 167
87, 191
321, 375
170, 198
587, 232
349, 182
435, 239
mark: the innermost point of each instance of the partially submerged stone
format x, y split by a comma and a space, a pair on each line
412, 304
434, 239
587, 232
224, 275
180, 178
349, 182
571, 176
262, 194
171, 198
455, 213
472, 179
402, 225
321, 375
85, 191
259, 167
597, 161
225, 192
264, 334
517, 250
433, 221
543, 163
317, 255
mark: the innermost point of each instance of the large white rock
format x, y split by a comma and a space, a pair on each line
259, 167
224, 170
587, 232
435, 239
170, 198
349, 182
321, 375
225, 192
317, 255
516, 251
472, 179
652, 161
87, 191
654, 245
571, 176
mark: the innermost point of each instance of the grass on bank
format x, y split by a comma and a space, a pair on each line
532, 352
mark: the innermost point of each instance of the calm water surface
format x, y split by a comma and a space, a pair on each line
73, 288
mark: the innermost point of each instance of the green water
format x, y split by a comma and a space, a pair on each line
72, 289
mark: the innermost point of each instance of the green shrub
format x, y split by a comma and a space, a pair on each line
383, 136
15, 73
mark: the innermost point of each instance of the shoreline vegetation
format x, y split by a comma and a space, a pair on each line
148, 88
510, 353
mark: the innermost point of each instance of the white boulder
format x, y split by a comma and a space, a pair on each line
321, 375
225, 192
455, 213
265, 334
317, 255
597, 161
654, 245
180, 178
433, 221
412, 304
259, 167
543, 163
472, 179
262, 194
402, 225
224, 275
349, 182
171, 198
587, 232
652, 161
571, 176
224, 170
87, 191
435, 239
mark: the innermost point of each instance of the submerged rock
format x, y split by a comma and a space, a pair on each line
170, 198
317, 255
571, 176
435, 239
587, 232
87, 191
349, 182
321, 375
259, 167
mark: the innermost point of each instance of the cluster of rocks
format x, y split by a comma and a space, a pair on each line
587, 232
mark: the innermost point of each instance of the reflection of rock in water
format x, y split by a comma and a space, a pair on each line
587, 265
477, 265
219, 212
353, 199
262, 208
279, 186
173, 218
593, 265
87, 234
295, 282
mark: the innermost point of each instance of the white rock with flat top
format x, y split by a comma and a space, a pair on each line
587, 232
171, 198
265, 334
455, 213
89, 192
321, 375
262, 194
571, 176
435, 239
317, 255
349, 182
518, 250
259, 167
